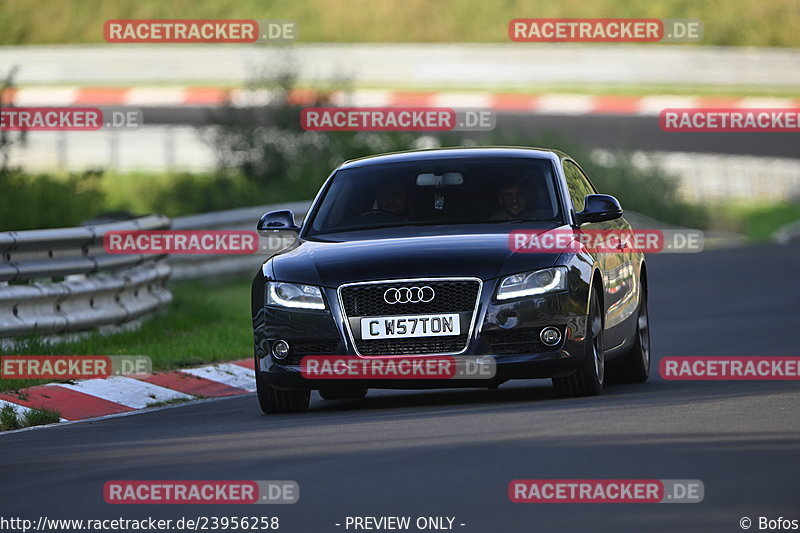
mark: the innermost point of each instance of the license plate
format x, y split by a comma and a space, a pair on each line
398, 327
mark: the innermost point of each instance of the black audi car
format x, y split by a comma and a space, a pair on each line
424, 236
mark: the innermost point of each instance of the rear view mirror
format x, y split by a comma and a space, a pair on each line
444, 180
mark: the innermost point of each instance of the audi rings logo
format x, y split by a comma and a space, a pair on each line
409, 295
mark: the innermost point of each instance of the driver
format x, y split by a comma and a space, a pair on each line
393, 199
513, 196
513, 199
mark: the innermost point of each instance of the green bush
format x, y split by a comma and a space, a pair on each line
649, 191
187, 193
46, 201
268, 147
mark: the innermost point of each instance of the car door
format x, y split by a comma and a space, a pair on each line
616, 268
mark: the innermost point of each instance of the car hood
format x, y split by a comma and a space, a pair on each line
330, 264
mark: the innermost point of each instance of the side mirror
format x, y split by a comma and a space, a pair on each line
278, 221
599, 208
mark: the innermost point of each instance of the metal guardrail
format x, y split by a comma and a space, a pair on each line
208, 266
58, 281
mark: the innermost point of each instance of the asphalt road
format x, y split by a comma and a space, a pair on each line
624, 132
453, 453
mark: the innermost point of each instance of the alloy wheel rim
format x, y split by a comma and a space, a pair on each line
597, 347
644, 336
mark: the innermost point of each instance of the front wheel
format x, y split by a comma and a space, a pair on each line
588, 379
634, 366
274, 400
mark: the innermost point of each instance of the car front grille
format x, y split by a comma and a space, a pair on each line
452, 296
298, 350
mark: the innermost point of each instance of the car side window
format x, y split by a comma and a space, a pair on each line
577, 184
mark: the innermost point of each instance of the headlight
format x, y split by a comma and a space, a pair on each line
294, 295
533, 283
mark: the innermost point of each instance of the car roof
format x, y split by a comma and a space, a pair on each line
472, 152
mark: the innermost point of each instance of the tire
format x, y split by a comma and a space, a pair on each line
342, 394
274, 400
588, 379
634, 366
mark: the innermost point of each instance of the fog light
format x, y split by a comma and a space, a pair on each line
280, 349
550, 336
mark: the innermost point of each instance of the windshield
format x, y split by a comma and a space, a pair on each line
440, 192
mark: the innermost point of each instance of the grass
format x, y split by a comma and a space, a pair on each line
592, 89
173, 401
729, 23
206, 323
129, 190
11, 419
758, 222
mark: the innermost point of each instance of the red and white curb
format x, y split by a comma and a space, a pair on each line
92, 398
558, 104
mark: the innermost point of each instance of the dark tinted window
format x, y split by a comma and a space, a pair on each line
438, 192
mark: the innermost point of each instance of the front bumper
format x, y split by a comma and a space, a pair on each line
508, 332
